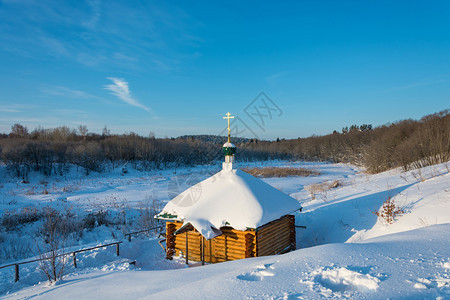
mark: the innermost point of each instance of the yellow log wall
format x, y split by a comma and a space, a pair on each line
271, 238
276, 237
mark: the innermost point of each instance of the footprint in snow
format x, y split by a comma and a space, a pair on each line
440, 282
258, 275
343, 279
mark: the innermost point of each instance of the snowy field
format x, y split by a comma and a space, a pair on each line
346, 251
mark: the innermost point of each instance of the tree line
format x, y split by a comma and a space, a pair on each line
407, 144
53, 151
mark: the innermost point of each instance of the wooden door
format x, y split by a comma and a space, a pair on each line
209, 248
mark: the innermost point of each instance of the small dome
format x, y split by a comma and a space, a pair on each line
229, 149
229, 145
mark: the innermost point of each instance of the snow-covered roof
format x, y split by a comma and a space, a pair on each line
229, 145
229, 198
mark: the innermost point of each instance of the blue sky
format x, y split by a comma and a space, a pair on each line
176, 67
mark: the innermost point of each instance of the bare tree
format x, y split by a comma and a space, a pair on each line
51, 251
18, 130
83, 131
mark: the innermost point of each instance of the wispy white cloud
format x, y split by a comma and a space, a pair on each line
9, 110
95, 6
119, 88
68, 92
160, 36
424, 82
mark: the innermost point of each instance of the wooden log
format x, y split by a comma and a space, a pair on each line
269, 250
232, 244
191, 242
273, 236
233, 236
279, 241
273, 233
230, 257
230, 249
275, 227
279, 224
230, 252
191, 239
272, 239
231, 240
284, 243
276, 240
280, 220
273, 249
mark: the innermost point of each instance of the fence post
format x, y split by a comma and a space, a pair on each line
74, 260
203, 250
16, 269
117, 249
187, 248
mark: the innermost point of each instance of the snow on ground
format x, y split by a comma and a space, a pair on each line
406, 265
347, 251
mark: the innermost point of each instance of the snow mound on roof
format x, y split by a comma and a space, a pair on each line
229, 198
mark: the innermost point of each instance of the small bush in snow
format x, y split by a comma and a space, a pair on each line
389, 211
13, 219
99, 218
147, 211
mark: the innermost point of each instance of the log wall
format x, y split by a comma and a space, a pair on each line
273, 238
276, 237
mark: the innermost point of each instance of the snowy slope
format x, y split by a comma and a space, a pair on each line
347, 252
346, 214
412, 264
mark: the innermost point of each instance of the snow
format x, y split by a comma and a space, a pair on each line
229, 145
230, 197
345, 252
385, 267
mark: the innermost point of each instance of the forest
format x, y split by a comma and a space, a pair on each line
407, 144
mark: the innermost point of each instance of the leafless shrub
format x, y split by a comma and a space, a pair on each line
51, 250
95, 219
389, 211
147, 210
15, 218
280, 172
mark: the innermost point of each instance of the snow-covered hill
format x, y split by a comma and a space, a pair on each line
346, 250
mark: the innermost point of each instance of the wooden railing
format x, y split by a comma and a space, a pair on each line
145, 230
73, 253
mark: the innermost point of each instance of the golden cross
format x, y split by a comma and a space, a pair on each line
229, 130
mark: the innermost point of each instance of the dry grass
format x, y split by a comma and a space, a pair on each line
322, 188
280, 172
